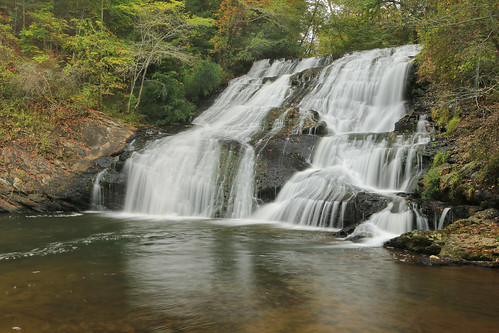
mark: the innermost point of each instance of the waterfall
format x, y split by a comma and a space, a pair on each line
241, 194
97, 200
196, 173
360, 97
209, 170
441, 221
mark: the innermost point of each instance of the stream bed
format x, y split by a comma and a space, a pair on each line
119, 273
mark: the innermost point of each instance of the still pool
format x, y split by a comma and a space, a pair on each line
102, 273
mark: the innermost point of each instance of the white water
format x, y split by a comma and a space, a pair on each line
360, 97
97, 200
362, 92
186, 174
441, 221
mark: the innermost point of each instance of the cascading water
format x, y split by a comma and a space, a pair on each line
209, 169
441, 220
360, 97
191, 174
97, 202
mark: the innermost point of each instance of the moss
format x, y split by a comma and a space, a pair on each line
490, 170
453, 125
431, 184
440, 158
440, 114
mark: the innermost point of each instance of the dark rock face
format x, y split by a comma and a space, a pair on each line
278, 159
369, 203
113, 189
432, 210
408, 124
360, 207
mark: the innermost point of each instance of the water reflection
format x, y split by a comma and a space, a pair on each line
129, 275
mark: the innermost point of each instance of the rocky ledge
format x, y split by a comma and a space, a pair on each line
474, 240
57, 174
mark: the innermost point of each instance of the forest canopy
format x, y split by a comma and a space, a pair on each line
152, 61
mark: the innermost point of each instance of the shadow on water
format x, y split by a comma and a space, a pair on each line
92, 273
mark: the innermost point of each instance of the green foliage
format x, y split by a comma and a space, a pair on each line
440, 158
164, 100
202, 79
453, 182
431, 184
8, 59
490, 171
352, 25
460, 40
99, 58
452, 125
45, 31
249, 30
202, 8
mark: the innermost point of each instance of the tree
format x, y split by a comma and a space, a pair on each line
352, 25
8, 42
160, 30
461, 47
100, 59
202, 79
165, 100
203, 8
248, 30
45, 32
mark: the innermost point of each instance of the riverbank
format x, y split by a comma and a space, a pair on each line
474, 240
55, 173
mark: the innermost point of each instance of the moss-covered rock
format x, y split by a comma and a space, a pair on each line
475, 239
420, 241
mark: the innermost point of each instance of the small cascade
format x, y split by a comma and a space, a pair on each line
380, 162
421, 126
241, 195
314, 197
441, 221
397, 218
97, 203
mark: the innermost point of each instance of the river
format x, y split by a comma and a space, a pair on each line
117, 273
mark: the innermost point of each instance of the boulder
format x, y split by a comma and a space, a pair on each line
473, 240
278, 158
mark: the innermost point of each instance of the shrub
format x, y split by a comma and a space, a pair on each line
202, 79
431, 184
163, 100
452, 125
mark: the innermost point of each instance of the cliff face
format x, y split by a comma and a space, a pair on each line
57, 174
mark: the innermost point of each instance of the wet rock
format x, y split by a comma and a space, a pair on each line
432, 210
367, 203
360, 207
277, 159
471, 240
407, 124
420, 241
